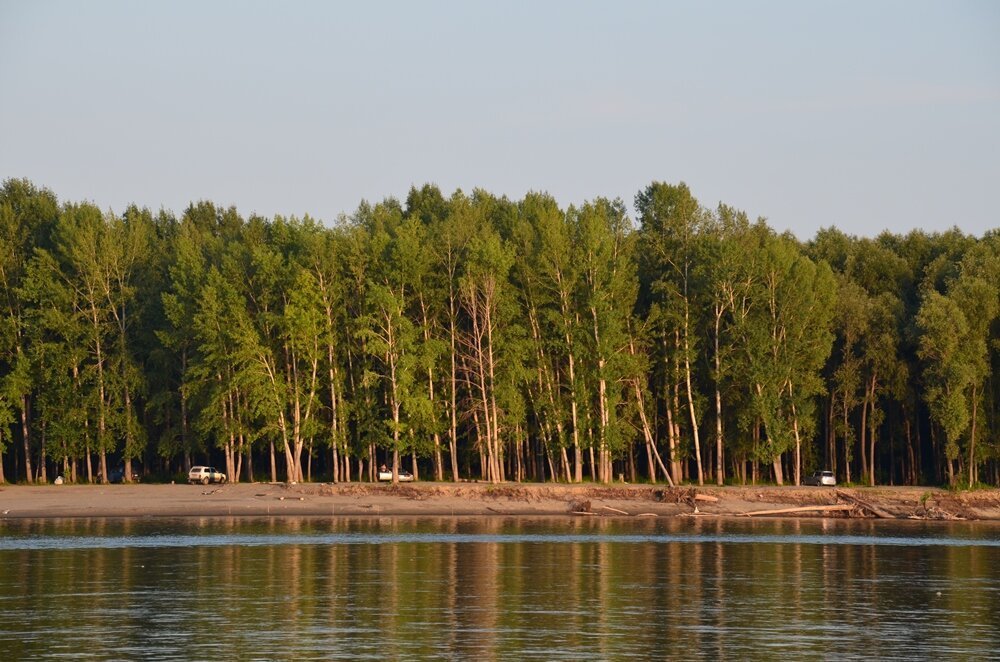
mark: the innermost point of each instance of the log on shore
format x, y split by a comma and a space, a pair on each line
615, 510
873, 509
838, 507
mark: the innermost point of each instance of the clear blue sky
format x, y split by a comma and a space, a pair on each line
866, 115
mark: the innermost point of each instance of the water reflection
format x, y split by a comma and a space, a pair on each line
496, 588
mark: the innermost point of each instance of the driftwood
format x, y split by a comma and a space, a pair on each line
706, 497
582, 512
839, 507
874, 510
935, 513
615, 510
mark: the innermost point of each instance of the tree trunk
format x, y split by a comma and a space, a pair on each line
498, 450
720, 467
602, 401
90, 465
453, 428
274, 464
656, 454
847, 445
42, 453
778, 473
830, 456
577, 451
649, 462
871, 437
864, 439
972, 440
674, 413
334, 416
798, 441
911, 475
690, 399
438, 459
184, 412
479, 329
647, 429
949, 469
26, 437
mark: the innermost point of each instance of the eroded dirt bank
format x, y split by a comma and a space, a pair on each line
481, 499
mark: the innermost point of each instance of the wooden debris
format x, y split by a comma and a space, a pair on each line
935, 513
615, 510
874, 510
706, 497
838, 507
582, 512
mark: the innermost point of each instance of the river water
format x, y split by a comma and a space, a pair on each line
497, 588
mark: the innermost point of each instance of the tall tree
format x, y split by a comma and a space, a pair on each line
603, 245
671, 222
486, 301
27, 217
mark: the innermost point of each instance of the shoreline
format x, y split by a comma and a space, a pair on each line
486, 500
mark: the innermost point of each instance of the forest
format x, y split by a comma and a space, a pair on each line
474, 337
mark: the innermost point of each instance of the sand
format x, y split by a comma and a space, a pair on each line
482, 499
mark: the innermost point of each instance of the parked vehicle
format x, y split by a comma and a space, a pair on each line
386, 475
116, 475
820, 478
206, 475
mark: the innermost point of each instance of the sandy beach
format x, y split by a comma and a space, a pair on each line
482, 499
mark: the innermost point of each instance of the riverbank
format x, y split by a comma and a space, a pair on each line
482, 499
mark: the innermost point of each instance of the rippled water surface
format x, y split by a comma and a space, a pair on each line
498, 589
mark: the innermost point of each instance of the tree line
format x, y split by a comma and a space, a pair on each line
477, 337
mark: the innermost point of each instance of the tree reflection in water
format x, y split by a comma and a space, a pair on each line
498, 587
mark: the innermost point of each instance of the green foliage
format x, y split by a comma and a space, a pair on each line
505, 338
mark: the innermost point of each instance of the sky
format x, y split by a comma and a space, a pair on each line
864, 115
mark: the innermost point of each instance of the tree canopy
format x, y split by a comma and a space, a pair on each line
473, 336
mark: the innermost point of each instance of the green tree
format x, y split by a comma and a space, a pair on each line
27, 216
671, 225
603, 246
787, 339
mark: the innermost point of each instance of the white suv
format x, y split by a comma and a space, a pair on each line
205, 475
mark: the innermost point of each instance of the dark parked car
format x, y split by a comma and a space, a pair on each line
116, 475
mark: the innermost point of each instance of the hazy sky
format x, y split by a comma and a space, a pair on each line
866, 115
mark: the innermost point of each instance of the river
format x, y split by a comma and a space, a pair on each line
497, 588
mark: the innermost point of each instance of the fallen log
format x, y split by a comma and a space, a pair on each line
839, 507
874, 510
706, 497
615, 510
